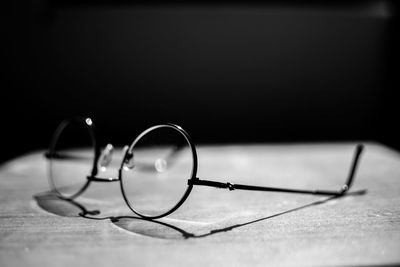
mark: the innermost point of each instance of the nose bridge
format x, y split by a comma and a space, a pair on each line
107, 174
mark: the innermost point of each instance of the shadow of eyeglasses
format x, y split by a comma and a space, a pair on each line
162, 228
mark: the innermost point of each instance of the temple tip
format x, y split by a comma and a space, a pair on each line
359, 149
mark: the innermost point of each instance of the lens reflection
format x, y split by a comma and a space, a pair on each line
155, 179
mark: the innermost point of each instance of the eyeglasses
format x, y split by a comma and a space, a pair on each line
157, 171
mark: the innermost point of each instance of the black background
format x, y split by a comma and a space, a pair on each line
226, 71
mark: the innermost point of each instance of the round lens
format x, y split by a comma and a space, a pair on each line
71, 157
156, 171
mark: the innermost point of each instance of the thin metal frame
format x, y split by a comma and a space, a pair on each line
128, 152
193, 180
87, 122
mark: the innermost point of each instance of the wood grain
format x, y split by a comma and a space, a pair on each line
214, 226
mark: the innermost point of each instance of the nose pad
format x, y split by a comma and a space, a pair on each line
129, 163
106, 157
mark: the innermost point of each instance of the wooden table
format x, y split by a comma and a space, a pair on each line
214, 226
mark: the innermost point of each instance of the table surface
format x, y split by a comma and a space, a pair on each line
215, 226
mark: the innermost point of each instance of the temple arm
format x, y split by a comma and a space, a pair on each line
143, 166
66, 156
343, 190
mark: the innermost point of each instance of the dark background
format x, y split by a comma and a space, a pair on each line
227, 71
